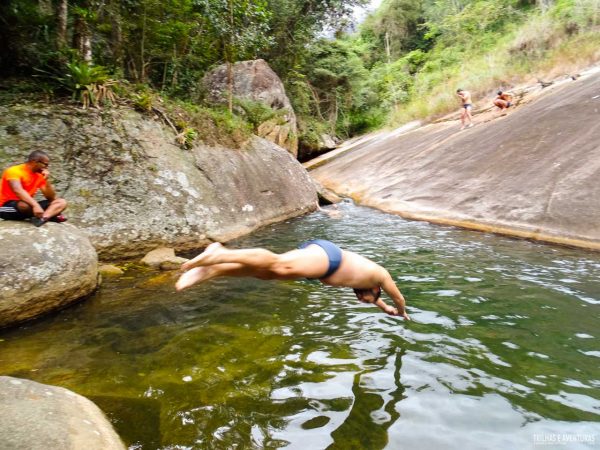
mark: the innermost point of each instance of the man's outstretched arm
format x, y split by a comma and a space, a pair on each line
390, 288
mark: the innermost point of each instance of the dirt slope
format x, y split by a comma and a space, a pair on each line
533, 173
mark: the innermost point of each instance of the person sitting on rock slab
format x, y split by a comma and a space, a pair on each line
18, 187
503, 100
317, 259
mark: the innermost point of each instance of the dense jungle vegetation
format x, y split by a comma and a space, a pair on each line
403, 62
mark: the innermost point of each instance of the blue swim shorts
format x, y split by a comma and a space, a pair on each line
334, 254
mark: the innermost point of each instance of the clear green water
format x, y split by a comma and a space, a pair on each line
503, 351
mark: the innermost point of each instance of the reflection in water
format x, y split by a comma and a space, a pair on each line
503, 350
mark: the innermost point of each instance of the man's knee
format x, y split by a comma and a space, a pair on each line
24, 208
60, 202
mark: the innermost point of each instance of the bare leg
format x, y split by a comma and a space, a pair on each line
311, 262
468, 116
55, 207
215, 253
202, 274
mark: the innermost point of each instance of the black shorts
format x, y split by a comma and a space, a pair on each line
9, 210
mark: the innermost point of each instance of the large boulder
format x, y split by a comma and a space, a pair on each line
255, 80
131, 189
532, 174
39, 417
43, 269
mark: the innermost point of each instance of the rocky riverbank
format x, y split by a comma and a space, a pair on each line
131, 189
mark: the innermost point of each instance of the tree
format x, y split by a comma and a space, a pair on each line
295, 24
241, 27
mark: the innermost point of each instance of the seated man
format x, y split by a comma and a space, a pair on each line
19, 185
318, 259
503, 100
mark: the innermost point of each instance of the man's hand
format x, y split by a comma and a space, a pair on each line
45, 173
394, 312
390, 310
38, 211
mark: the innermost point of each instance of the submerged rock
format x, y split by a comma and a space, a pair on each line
43, 269
163, 258
39, 417
110, 270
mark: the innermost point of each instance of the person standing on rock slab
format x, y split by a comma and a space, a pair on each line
18, 187
316, 259
467, 106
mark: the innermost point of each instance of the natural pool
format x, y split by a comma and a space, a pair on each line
503, 351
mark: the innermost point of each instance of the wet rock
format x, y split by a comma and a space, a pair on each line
39, 417
43, 269
255, 80
163, 258
108, 270
326, 196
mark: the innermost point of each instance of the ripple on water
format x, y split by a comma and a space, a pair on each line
501, 348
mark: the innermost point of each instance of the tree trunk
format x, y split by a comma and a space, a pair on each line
388, 52
45, 7
143, 49
175, 67
230, 86
82, 40
230, 60
62, 11
116, 35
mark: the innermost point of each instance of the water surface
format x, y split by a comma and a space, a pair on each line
503, 351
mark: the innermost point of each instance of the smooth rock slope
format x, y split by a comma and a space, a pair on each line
532, 174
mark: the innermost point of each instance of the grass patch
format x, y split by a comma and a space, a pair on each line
540, 48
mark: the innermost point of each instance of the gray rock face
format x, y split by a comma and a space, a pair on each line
532, 174
256, 81
43, 269
39, 417
132, 190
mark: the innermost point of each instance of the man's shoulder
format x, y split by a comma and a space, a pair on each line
17, 169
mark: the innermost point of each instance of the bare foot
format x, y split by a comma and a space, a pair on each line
205, 258
191, 277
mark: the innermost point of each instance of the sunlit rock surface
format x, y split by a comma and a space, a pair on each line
43, 269
39, 417
533, 173
131, 189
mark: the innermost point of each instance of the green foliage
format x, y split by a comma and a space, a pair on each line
90, 85
310, 132
255, 112
143, 101
241, 25
405, 60
187, 137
